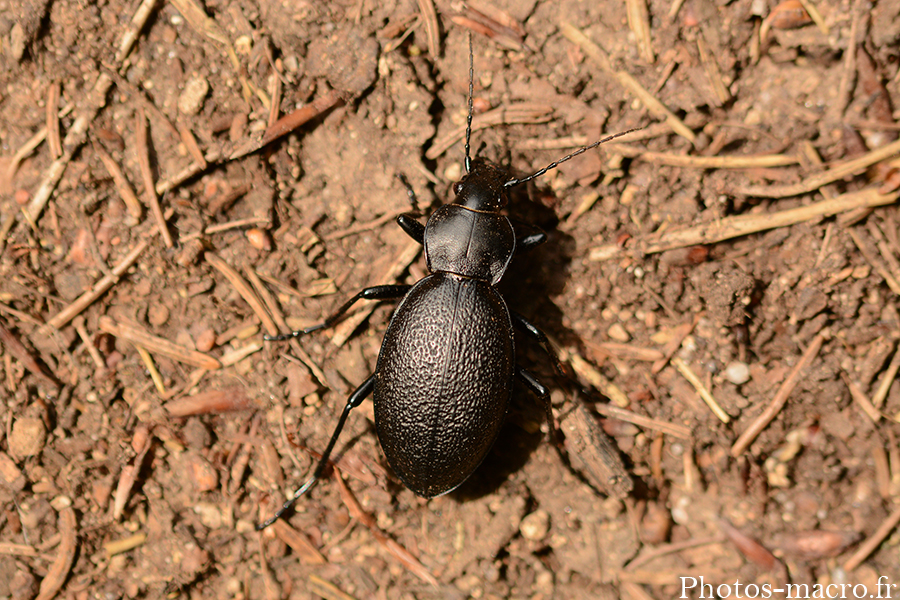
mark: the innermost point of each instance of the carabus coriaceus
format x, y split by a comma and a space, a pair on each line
445, 371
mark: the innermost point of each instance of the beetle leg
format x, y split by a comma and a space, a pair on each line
526, 326
408, 221
378, 292
538, 389
412, 227
355, 399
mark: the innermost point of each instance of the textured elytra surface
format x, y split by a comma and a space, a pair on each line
443, 381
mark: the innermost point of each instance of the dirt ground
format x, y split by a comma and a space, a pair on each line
721, 287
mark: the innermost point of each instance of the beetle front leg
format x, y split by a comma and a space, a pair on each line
355, 399
414, 229
378, 292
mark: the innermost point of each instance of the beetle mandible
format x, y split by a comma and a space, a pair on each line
445, 371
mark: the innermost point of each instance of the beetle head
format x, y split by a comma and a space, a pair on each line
482, 188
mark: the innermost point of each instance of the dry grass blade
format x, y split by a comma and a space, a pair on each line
432, 33
761, 161
861, 399
192, 170
587, 372
52, 109
122, 186
614, 412
740, 225
154, 372
781, 397
814, 182
136, 335
639, 22
672, 346
628, 82
134, 29
884, 386
273, 309
245, 291
18, 350
142, 148
325, 589
625, 351
75, 137
401, 553
869, 546
494, 24
25, 150
299, 543
190, 142
713, 72
876, 264
18, 550
650, 554
704, 393
65, 555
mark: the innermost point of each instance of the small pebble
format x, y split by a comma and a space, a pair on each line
191, 99
201, 474
259, 239
27, 437
157, 314
737, 373
535, 526
617, 332
206, 341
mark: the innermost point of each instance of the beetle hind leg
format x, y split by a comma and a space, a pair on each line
355, 399
538, 389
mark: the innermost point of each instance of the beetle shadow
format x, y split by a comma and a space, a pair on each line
533, 278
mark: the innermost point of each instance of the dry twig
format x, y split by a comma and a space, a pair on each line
75, 137
704, 393
739, 225
142, 148
626, 80
869, 546
814, 182
88, 298
401, 553
137, 336
781, 397
65, 555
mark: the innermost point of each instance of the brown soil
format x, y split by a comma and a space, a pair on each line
126, 480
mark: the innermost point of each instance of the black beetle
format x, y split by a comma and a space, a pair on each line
445, 371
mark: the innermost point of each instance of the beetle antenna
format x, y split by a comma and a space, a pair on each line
471, 92
553, 165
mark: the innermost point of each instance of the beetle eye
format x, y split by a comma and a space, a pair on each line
457, 188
